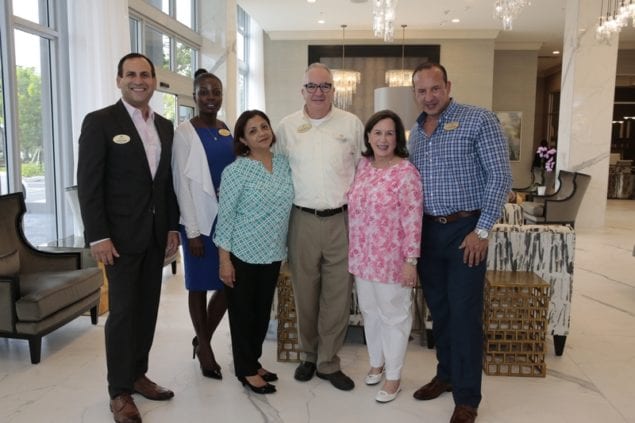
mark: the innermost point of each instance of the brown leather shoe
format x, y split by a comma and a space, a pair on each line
463, 414
124, 409
151, 390
432, 389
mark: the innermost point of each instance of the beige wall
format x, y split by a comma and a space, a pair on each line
515, 75
497, 80
285, 62
470, 66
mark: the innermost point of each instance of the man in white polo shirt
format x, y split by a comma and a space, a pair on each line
323, 144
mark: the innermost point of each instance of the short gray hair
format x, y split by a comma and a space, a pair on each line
317, 65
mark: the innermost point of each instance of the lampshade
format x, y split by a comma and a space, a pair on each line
400, 100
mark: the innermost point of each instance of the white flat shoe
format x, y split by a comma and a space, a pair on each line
383, 396
374, 379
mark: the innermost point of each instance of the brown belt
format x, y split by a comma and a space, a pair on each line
451, 217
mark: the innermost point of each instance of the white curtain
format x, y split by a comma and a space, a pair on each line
99, 35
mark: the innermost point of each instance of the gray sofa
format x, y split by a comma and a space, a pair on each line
39, 291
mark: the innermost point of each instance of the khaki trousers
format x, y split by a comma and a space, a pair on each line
318, 261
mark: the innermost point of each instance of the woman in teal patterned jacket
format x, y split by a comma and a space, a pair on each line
256, 195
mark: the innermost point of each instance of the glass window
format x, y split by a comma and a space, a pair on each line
163, 5
242, 92
134, 35
240, 47
158, 48
4, 186
185, 113
242, 53
164, 104
35, 126
32, 10
185, 59
184, 13
181, 10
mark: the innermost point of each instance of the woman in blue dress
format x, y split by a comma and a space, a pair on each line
203, 147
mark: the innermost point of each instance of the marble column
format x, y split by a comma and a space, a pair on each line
586, 106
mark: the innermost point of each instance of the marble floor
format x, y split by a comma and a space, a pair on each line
594, 381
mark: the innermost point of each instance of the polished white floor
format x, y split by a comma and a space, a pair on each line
594, 381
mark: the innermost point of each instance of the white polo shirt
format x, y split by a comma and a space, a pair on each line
323, 155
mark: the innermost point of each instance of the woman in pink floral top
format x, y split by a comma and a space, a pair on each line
385, 210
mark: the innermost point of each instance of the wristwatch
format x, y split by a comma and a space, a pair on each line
481, 233
411, 260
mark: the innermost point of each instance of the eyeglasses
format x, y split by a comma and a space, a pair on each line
325, 87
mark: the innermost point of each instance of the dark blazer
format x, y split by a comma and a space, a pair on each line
117, 195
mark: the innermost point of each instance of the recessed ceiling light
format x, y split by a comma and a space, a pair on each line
556, 52
456, 20
321, 21
310, 1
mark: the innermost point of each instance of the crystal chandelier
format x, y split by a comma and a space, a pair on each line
508, 10
384, 19
400, 77
614, 18
345, 82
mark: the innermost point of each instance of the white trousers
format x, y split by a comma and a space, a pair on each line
387, 313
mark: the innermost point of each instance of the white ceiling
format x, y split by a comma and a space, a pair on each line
539, 26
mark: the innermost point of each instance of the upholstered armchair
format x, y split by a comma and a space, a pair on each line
562, 206
39, 291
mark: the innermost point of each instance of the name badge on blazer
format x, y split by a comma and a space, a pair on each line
121, 139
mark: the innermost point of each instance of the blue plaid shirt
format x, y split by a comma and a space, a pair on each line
464, 164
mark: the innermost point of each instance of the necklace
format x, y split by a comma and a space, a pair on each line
212, 133
208, 128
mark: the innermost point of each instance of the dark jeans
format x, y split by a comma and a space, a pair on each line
249, 307
454, 294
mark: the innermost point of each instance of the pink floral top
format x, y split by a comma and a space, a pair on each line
385, 211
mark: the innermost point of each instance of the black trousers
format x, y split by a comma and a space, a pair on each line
134, 290
249, 307
454, 294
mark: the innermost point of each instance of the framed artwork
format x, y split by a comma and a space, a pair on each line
512, 127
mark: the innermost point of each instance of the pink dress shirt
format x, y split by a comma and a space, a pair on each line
385, 212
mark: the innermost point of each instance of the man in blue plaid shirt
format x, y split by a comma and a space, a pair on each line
462, 155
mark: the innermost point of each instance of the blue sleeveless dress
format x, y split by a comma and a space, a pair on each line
201, 273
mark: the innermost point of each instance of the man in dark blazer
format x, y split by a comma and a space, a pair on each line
130, 217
